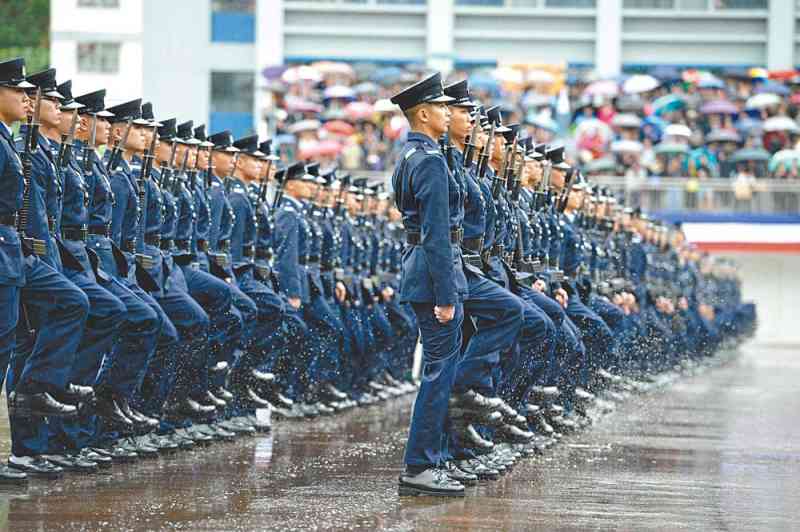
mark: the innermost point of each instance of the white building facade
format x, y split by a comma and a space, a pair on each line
202, 59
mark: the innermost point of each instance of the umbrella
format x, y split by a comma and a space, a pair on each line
780, 123
387, 75
533, 99
607, 88
749, 126
784, 157
325, 148
750, 154
723, 135
626, 120
366, 87
385, 106
639, 83
298, 105
762, 100
483, 82
606, 164
772, 87
668, 104
339, 127
593, 124
539, 76
273, 72
719, 107
544, 121
301, 73
630, 104
666, 74
678, 130
339, 92
334, 68
508, 75
359, 110
303, 125
711, 82
626, 146
671, 148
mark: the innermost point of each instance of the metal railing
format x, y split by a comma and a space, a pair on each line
758, 196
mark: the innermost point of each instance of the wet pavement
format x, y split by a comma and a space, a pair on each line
717, 451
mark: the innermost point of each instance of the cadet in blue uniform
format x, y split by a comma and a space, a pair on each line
55, 309
431, 202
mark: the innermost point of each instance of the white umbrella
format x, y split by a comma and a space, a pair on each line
339, 92
606, 88
385, 106
677, 130
765, 99
780, 123
593, 124
507, 75
626, 120
539, 76
301, 73
640, 83
626, 146
334, 68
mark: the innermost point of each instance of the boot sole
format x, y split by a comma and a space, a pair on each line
405, 490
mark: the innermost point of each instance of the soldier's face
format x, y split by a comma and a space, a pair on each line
498, 149
136, 137
202, 158
103, 131
533, 173
460, 123
14, 105
575, 199
251, 166
223, 161
49, 113
438, 117
65, 121
557, 179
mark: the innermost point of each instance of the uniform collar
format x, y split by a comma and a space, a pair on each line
428, 142
5, 129
295, 202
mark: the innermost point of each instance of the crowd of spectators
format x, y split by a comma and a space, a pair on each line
736, 123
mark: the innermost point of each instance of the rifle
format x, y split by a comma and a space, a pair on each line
176, 184
89, 146
116, 150
502, 175
31, 141
262, 191
209, 170
483, 160
340, 201
67, 141
166, 167
143, 259
447, 150
469, 144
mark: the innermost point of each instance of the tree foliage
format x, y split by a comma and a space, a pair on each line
25, 31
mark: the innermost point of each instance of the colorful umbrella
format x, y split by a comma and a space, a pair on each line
334, 68
677, 130
719, 107
671, 148
606, 88
339, 92
772, 87
668, 104
750, 154
339, 127
301, 73
723, 135
784, 157
359, 110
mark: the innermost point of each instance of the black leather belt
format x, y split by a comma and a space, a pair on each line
103, 230
183, 244
75, 233
473, 260
414, 238
313, 258
153, 239
224, 246
9, 219
263, 254
129, 245
166, 244
202, 245
473, 244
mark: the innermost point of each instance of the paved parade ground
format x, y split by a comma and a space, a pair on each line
716, 451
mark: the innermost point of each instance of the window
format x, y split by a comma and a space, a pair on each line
232, 92
98, 3
570, 3
649, 4
492, 3
98, 57
234, 6
741, 4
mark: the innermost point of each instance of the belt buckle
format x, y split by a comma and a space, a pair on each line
39, 247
